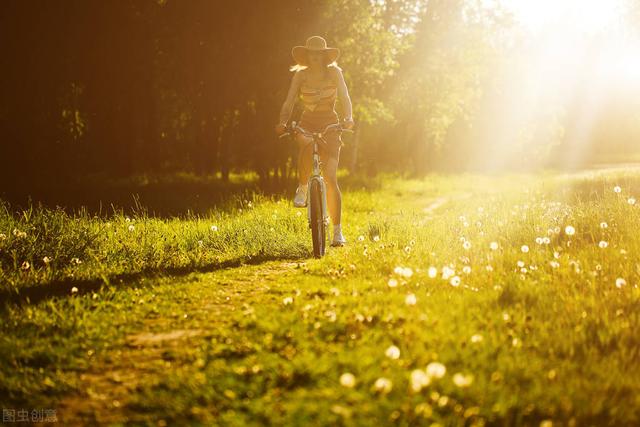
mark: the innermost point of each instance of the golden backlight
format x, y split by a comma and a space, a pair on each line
571, 60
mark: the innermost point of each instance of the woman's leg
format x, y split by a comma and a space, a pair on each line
334, 197
304, 160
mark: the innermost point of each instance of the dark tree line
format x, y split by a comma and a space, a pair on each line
115, 88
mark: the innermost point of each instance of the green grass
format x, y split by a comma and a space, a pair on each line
173, 322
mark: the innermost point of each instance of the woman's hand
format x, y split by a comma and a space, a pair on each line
347, 123
280, 128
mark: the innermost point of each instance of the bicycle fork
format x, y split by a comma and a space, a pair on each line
317, 177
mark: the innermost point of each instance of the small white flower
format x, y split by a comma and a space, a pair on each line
524, 249
76, 261
131, 227
410, 299
546, 240
46, 260
462, 380
376, 238
347, 380
360, 238
25, 265
603, 244
466, 245
447, 272
392, 352
383, 385
419, 379
493, 246
436, 370
432, 272
604, 225
287, 300
403, 271
3, 236
554, 264
617, 189
466, 269
631, 201
215, 227
620, 282
569, 230
476, 338
455, 281
392, 283
74, 290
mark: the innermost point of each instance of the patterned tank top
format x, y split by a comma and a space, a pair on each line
312, 98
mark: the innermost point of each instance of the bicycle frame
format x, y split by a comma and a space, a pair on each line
316, 173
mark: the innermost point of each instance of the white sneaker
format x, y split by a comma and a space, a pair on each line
300, 200
338, 238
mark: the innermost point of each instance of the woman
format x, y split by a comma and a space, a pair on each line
318, 81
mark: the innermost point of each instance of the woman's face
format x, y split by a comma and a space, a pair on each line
316, 58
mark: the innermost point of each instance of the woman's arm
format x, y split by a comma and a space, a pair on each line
287, 107
343, 94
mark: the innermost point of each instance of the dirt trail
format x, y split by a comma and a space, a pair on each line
108, 385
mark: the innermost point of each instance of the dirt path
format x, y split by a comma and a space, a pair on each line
107, 387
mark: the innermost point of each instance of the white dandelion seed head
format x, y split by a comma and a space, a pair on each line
569, 230
419, 380
360, 238
617, 189
631, 201
524, 249
376, 238
132, 227
466, 245
462, 380
435, 370
74, 290
493, 246
287, 301
347, 380
432, 272
455, 281
620, 282
603, 244
392, 283
215, 227
604, 225
392, 352
410, 299
383, 385
476, 338
447, 272
466, 269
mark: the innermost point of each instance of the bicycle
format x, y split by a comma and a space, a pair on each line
316, 193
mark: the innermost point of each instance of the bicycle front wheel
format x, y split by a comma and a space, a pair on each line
318, 232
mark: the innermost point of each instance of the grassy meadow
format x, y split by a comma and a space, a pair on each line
458, 300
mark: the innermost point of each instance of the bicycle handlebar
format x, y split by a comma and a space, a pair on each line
295, 128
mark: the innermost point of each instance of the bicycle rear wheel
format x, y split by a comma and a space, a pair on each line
318, 232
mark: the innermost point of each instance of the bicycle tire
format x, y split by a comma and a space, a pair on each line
318, 232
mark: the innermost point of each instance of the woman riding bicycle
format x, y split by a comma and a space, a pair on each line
318, 81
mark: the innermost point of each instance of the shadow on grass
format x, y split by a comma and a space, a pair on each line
63, 287
159, 196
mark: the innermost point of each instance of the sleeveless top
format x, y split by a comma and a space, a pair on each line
312, 98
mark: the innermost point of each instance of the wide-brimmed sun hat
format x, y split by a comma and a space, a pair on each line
315, 44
